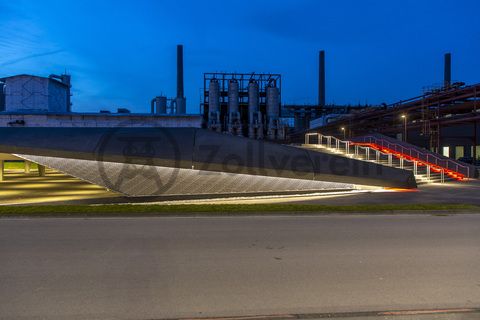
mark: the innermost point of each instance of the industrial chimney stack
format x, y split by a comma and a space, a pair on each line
180, 99
321, 79
447, 72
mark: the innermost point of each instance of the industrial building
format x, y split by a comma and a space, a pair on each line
33, 101
244, 104
27, 93
430, 138
172, 106
443, 119
240, 104
306, 116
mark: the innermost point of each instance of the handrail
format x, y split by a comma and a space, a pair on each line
437, 159
337, 141
387, 144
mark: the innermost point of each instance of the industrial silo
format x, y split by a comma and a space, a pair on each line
239, 96
233, 96
255, 127
253, 96
273, 101
273, 110
214, 106
161, 105
234, 123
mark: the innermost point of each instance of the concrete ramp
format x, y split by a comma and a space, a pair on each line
188, 161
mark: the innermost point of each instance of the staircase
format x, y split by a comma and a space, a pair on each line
426, 167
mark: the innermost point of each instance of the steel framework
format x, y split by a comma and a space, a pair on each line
427, 113
262, 79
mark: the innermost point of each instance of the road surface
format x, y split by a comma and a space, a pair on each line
152, 268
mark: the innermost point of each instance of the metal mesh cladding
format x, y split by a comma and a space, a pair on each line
148, 180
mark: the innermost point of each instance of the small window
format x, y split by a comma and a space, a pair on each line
459, 152
446, 151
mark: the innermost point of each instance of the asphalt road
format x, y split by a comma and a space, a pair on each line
150, 268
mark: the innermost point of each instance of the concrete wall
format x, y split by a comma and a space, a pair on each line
98, 120
193, 149
57, 97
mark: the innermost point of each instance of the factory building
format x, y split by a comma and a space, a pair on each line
244, 104
173, 106
395, 145
28, 93
306, 116
247, 105
444, 119
33, 101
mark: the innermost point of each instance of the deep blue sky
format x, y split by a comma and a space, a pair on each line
122, 53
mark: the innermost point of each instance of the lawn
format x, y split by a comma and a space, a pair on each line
227, 209
18, 165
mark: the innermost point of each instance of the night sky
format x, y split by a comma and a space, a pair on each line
122, 53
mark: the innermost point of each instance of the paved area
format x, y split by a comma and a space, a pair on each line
449, 316
453, 192
23, 188
151, 268
449, 193
57, 188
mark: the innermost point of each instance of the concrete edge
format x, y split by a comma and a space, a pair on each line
240, 214
340, 314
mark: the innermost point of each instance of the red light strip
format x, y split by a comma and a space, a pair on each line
433, 167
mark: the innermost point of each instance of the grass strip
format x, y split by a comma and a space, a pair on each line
16, 165
219, 209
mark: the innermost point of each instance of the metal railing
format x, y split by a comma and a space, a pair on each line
336, 144
423, 156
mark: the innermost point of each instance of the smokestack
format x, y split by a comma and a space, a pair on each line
447, 72
180, 71
180, 101
321, 79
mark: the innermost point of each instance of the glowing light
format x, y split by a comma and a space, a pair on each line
400, 189
420, 163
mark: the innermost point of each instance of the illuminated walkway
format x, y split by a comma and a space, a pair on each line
23, 188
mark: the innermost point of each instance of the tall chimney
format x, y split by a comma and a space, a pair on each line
321, 79
180, 100
180, 93
447, 72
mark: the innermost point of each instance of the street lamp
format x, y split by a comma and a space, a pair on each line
344, 133
404, 117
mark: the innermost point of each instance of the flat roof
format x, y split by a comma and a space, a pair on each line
34, 76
